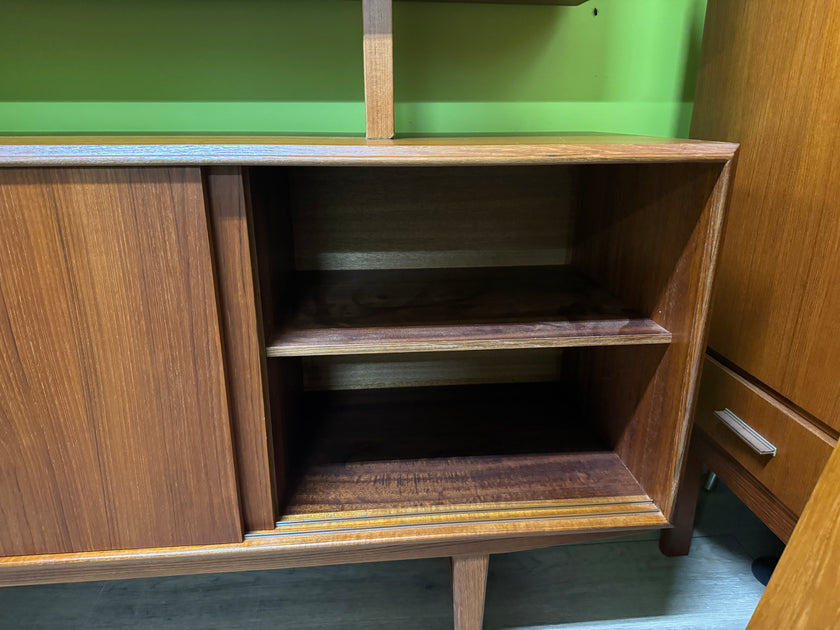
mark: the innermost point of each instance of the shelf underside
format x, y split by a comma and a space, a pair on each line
455, 454
425, 310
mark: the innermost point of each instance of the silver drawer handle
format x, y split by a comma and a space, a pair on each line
744, 431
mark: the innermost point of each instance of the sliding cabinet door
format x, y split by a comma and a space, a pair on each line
114, 423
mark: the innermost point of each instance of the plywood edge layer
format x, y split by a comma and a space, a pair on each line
299, 550
456, 515
557, 504
280, 349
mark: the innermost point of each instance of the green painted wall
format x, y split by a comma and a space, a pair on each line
295, 66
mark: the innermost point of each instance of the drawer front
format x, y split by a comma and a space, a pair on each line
802, 449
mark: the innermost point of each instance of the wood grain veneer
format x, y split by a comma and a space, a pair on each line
244, 350
421, 218
430, 369
379, 311
676, 541
803, 450
378, 49
332, 547
433, 447
469, 582
414, 474
802, 592
115, 427
345, 151
651, 238
459, 482
768, 80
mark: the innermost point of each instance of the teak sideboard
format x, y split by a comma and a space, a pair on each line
224, 354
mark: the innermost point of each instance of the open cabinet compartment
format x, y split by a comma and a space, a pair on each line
507, 349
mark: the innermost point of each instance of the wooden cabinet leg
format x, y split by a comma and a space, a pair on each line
677, 541
469, 582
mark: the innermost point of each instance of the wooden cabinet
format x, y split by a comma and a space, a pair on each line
114, 426
381, 266
767, 80
369, 350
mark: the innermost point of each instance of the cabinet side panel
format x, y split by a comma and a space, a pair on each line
244, 350
114, 427
650, 234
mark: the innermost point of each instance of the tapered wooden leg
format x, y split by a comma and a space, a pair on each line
469, 582
677, 541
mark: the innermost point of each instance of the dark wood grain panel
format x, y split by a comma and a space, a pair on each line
439, 446
372, 371
244, 350
115, 427
413, 218
651, 237
351, 312
461, 481
580, 148
768, 79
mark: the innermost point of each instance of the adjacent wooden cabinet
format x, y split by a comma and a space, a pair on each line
768, 80
288, 352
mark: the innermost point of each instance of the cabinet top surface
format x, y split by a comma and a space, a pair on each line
574, 148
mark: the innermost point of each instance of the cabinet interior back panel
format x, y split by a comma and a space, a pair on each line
430, 217
430, 369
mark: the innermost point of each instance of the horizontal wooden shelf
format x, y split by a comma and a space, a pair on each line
456, 449
432, 310
572, 148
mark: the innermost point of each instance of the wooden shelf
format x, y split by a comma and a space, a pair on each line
456, 448
571, 148
363, 312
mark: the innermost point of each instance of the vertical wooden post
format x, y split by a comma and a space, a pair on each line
469, 582
379, 68
677, 541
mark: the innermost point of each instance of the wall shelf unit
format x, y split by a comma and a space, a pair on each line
346, 349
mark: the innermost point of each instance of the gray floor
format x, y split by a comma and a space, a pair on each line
624, 583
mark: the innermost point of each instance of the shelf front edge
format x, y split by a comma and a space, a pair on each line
315, 151
280, 349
